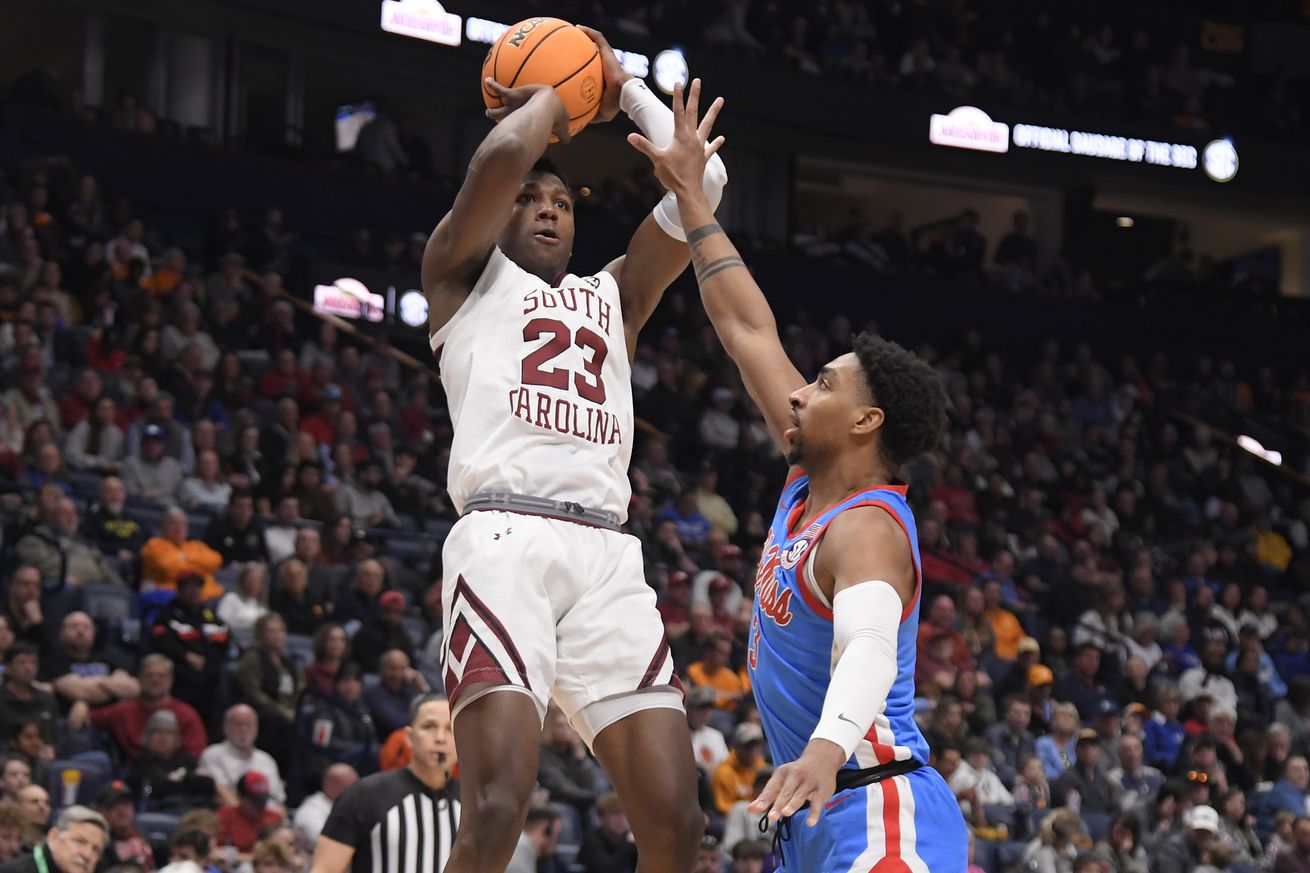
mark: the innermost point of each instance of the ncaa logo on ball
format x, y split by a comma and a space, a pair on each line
793, 555
588, 89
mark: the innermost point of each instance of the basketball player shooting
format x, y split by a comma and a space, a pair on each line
544, 598
833, 635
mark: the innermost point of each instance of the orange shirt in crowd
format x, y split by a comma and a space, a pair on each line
163, 561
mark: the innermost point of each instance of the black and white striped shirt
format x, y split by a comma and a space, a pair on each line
395, 824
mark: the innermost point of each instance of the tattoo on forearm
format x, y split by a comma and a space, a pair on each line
701, 232
703, 267
716, 266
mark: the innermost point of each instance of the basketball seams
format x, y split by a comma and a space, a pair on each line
531, 51
584, 66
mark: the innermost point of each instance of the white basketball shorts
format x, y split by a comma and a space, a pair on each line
554, 609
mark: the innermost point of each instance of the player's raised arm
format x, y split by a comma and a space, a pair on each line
735, 304
458, 249
657, 253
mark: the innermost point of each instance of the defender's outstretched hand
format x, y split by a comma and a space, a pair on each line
516, 98
681, 166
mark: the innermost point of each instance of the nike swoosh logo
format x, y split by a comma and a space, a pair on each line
841, 716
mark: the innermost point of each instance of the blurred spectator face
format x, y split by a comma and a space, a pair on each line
156, 679
105, 411
11, 843
78, 633
708, 861
66, 516
204, 436
25, 586
241, 727
120, 815
113, 495
6, 634
173, 527
241, 508
29, 741
21, 670
393, 668
948, 761
1088, 662
275, 634
1034, 773
334, 648
1301, 836
1130, 753
717, 654
308, 544
35, 803
350, 687
942, 614
1297, 773
368, 578
1019, 715
152, 449
16, 775
293, 578
288, 510
1065, 721
162, 742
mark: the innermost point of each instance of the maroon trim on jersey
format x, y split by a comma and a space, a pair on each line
462, 589
570, 520
656, 665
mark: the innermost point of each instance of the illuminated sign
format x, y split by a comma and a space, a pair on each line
421, 19
413, 308
670, 70
1220, 160
1252, 445
968, 127
485, 31
1100, 145
348, 298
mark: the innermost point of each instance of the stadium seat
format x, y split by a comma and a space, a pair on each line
570, 823
156, 826
227, 577
92, 777
107, 602
300, 647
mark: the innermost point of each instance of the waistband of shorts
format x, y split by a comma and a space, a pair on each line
870, 775
526, 504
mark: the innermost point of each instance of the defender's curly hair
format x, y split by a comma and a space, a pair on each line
910, 394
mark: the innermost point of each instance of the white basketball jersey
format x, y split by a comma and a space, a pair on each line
540, 389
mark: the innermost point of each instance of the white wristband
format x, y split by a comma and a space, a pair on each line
866, 621
655, 121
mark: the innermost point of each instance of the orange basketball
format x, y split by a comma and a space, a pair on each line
548, 51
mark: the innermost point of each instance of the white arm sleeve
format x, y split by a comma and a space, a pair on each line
866, 620
655, 120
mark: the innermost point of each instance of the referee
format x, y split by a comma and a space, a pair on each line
400, 821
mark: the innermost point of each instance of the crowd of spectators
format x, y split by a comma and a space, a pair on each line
1120, 62
221, 587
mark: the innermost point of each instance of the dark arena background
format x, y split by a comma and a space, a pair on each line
1092, 219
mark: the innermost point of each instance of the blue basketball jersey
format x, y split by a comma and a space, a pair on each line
791, 641
910, 823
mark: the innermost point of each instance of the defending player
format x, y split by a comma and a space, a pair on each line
832, 643
544, 597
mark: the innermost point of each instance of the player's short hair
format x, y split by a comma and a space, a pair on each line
908, 391
544, 166
418, 702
